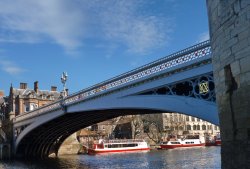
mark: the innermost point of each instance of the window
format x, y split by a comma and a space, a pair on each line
27, 108
180, 118
33, 106
193, 119
194, 127
188, 127
175, 142
187, 118
198, 127
203, 127
215, 127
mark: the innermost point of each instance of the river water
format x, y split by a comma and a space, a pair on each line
187, 158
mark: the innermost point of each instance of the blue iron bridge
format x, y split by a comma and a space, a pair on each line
181, 82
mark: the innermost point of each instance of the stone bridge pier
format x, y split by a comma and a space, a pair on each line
229, 24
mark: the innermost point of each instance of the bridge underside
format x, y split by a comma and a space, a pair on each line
45, 139
182, 83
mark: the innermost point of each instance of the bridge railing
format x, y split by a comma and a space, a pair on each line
186, 55
178, 58
38, 111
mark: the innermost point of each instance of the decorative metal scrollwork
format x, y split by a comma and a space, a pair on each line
204, 88
200, 87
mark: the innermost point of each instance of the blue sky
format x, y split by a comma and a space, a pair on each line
92, 40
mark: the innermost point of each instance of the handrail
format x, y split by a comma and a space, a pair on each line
178, 58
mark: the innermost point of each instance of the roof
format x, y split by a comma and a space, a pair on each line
31, 93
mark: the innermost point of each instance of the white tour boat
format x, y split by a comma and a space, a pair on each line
123, 145
189, 141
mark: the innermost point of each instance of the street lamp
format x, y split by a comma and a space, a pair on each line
63, 80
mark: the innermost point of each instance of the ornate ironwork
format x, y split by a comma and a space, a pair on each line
187, 55
200, 87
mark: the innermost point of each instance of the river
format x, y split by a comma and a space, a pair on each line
184, 158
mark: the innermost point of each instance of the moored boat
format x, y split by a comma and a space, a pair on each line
216, 141
189, 141
123, 145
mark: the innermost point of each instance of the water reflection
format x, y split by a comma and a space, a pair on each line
205, 157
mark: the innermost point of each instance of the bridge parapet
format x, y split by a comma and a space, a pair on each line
187, 55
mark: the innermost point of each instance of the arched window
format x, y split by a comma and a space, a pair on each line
198, 127
203, 127
215, 127
194, 127
188, 127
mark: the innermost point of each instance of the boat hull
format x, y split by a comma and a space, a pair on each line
165, 146
218, 142
100, 151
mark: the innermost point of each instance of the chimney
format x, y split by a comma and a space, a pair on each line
53, 88
36, 86
1, 93
23, 85
67, 92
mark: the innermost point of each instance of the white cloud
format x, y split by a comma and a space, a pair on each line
71, 23
35, 21
10, 67
203, 37
127, 24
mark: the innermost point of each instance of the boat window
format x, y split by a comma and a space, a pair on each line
189, 142
122, 145
175, 142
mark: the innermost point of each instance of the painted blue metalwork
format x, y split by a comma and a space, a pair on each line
190, 55
181, 82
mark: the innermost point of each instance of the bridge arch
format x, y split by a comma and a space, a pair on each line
45, 136
181, 82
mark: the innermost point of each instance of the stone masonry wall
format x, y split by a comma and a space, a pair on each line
69, 146
229, 24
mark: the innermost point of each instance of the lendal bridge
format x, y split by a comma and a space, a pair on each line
181, 82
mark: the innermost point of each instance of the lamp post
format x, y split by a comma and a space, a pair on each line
63, 80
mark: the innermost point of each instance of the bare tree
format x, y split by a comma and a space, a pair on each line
137, 125
176, 123
153, 127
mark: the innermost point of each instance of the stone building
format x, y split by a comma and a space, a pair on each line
180, 124
3, 105
156, 127
3, 112
24, 99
